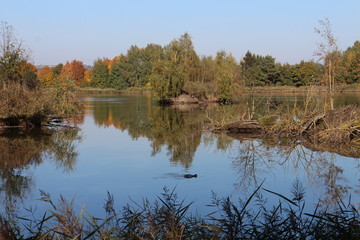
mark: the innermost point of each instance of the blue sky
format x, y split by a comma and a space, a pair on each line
59, 31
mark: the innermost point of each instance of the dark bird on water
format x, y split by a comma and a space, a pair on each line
190, 175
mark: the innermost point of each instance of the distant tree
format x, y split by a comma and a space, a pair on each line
207, 72
137, 67
57, 70
153, 53
268, 68
27, 67
87, 77
328, 52
100, 74
169, 75
46, 76
189, 58
66, 72
29, 75
119, 75
225, 75
286, 75
78, 70
306, 73
350, 65
30, 80
258, 70
250, 70
73, 71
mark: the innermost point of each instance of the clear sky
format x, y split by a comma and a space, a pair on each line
59, 31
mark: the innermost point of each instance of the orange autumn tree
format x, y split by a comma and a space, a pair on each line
87, 77
110, 62
26, 67
46, 76
74, 71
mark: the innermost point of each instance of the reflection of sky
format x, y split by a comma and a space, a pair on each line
110, 160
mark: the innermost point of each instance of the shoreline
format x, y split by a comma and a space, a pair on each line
246, 90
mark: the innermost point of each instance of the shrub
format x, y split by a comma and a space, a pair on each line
19, 103
27, 107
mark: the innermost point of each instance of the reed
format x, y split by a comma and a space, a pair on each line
169, 218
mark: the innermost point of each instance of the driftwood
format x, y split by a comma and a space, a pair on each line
244, 127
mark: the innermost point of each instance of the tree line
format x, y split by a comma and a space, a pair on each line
176, 68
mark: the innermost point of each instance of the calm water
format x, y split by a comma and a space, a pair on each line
131, 147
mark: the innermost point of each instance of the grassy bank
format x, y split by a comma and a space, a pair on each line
171, 218
132, 90
301, 90
266, 90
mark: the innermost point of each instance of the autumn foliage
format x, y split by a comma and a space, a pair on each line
74, 71
46, 76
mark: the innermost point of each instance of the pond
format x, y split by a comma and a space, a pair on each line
132, 148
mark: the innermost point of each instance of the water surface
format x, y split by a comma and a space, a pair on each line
132, 147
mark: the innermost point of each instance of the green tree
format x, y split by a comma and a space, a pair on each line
286, 75
207, 72
306, 73
350, 65
250, 70
100, 74
119, 75
258, 70
168, 75
225, 75
138, 66
57, 70
270, 73
12, 56
188, 58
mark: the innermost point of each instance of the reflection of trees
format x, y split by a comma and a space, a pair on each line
178, 130
332, 176
252, 158
19, 150
180, 133
62, 148
259, 156
123, 114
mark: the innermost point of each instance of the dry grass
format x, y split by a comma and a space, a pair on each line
18, 102
26, 108
169, 218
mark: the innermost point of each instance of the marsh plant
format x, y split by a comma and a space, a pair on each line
171, 218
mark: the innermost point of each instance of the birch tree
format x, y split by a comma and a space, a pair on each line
328, 52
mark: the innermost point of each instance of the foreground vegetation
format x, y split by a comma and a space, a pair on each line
170, 218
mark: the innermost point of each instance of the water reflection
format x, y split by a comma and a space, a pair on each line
177, 129
256, 158
179, 132
180, 128
19, 151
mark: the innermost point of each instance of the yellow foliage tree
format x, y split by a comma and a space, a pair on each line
46, 76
